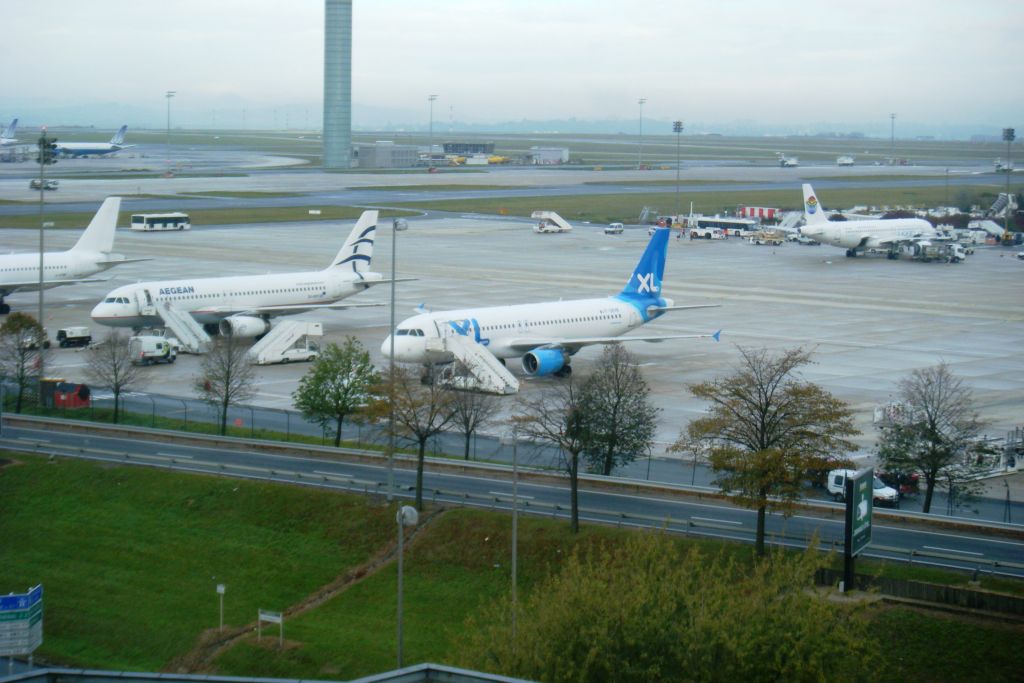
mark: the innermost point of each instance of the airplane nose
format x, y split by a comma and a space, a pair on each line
385, 348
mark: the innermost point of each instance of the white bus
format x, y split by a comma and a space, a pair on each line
740, 227
148, 222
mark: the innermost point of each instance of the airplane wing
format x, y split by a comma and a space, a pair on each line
573, 345
366, 284
117, 262
284, 309
662, 309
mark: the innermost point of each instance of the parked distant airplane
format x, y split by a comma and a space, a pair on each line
7, 136
84, 149
90, 255
856, 236
546, 334
243, 305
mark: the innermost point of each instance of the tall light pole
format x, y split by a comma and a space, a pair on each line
515, 528
1008, 135
47, 156
640, 145
677, 128
407, 516
892, 138
391, 366
430, 137
169, 94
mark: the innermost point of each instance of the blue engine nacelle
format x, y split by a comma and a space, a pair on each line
544, 361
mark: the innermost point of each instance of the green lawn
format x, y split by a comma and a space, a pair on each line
129, 558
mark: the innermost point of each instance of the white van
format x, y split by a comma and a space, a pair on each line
614, 229
883, 495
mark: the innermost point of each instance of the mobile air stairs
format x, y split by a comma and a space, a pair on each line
287, 341
791, 221
475, 369
549, 221
191, 336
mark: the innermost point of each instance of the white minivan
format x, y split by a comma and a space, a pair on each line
883, 495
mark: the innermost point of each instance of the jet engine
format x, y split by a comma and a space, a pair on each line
543, 361
244, 326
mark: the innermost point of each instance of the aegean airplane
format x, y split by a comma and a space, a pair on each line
547, 334
84, 149
856, 236
90, 255
243, 305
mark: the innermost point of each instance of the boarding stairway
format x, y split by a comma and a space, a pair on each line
482, 370
285, 335
549, 221
791, 222
190, 335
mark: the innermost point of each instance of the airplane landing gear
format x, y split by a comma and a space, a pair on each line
4, 308
564, 371
851, 253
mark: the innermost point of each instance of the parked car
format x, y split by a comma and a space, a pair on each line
882, 494
35, 183
614, 229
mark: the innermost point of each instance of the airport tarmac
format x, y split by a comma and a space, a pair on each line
868, 321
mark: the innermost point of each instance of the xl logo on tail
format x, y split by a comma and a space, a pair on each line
646, 283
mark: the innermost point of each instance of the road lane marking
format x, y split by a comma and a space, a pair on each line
717, 521
951, 550
505, 493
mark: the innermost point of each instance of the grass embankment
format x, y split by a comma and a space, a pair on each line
204, 217
129, 558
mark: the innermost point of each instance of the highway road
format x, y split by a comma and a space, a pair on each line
678, 508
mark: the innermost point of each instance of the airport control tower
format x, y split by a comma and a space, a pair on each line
338, 84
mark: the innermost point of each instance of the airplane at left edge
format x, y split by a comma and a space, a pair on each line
8, 133
91, 254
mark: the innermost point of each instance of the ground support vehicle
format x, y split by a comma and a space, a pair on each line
882, 494
73, 336
148, 349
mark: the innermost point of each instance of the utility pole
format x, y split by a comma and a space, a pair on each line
677, 128
892, 138
1008, 135
47, 157
430, 137
640, 146
169, 94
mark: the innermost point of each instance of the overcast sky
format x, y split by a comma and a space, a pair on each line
775, 62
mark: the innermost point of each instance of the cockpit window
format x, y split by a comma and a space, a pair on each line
109, 300
402, 333
417, 333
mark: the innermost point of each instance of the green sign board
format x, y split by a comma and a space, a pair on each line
858, 511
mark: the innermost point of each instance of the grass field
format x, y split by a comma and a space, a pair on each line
129, 558
202, 217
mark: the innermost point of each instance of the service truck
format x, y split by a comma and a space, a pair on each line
150, 349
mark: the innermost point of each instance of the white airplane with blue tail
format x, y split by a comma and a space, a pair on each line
545, 334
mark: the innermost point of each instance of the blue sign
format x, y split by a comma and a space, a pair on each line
16, 602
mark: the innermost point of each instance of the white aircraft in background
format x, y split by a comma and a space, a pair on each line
90, 255
243, 305
855, 236
546, 334
7, 136
84, 149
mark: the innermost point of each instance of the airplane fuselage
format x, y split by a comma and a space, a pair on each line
500, 327
870, 233
85, 149
210, 300
63, 265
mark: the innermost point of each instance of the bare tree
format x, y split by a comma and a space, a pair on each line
421, 411
621, 418
108, 365
473, 409
21, 352
765, 429
938, 435
227, 378
558, 418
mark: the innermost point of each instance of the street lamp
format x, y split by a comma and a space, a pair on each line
169, 94
221, 588
514, 438
640, 146
396, 225
677, 128
1008, 135
406, 516
430, 138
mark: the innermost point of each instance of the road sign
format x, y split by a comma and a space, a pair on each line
860, 502
21, 622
